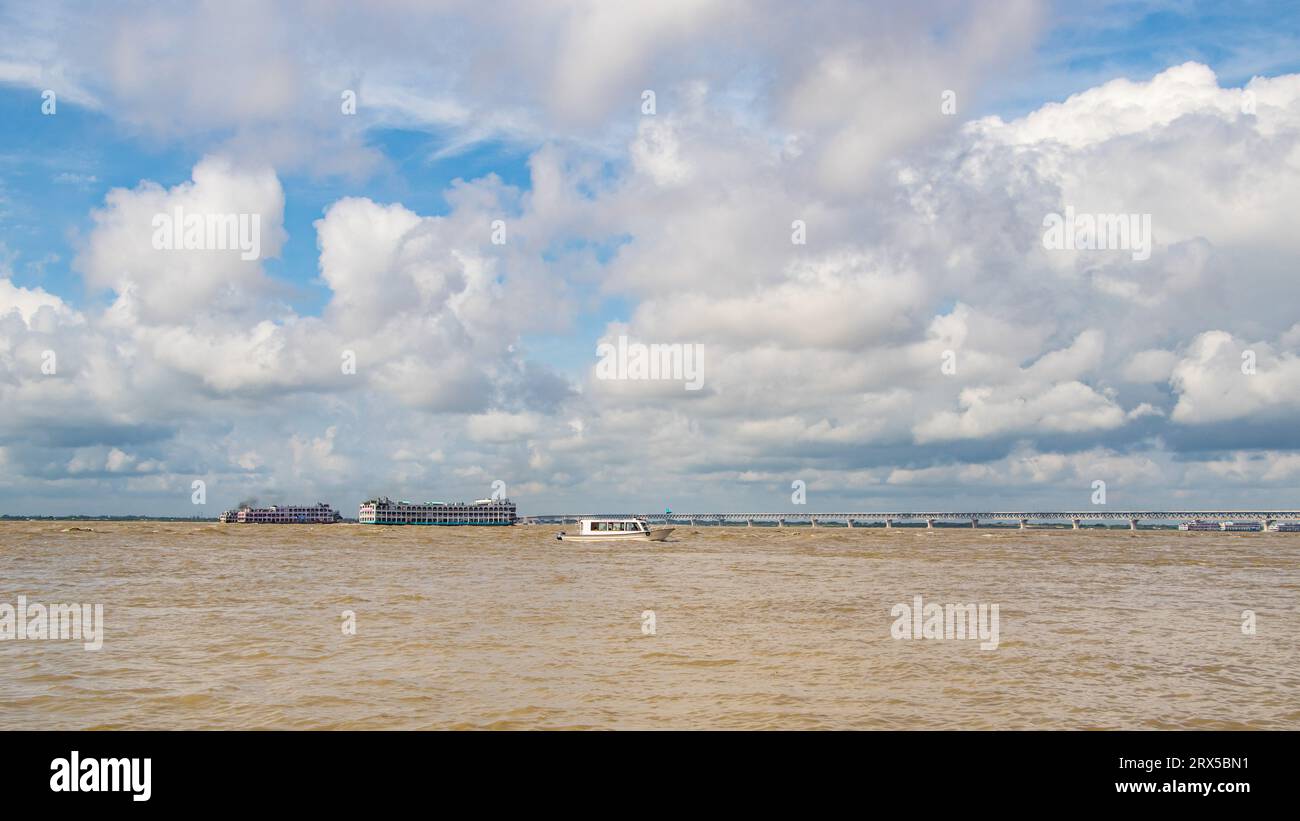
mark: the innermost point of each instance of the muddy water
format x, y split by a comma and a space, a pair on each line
210, 626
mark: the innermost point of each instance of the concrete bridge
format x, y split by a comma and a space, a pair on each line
973, 519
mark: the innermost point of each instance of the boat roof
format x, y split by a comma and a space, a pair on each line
608, 519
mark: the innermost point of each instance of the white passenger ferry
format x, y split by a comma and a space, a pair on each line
615, 530
318, 514
1244, 527
384, 511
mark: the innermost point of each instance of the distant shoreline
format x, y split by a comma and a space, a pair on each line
83, 518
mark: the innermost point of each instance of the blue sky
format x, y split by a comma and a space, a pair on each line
56, 175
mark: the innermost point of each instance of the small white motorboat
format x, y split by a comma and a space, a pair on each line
615, 530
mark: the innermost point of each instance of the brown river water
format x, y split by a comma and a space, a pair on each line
241, 626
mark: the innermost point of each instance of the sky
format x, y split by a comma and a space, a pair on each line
842, 212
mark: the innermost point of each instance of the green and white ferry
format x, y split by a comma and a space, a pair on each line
384, 511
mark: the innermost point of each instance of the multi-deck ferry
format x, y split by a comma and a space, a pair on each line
1200, 524
1245, 527
384, 511
318, 514
1285, 527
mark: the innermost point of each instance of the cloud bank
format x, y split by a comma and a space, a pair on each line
865, 273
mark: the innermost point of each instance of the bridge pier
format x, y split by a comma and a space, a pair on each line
749, 523
812, 521
889, 524
850, 522
1024, 524
1132, 524
929, 524
780, 522
974, 523
1076, 523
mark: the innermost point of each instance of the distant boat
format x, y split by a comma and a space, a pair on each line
615, 530
318, 514
1245, 527
384, 511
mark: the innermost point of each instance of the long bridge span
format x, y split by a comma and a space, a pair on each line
973, 519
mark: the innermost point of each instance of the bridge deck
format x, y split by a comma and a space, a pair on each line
937, 516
